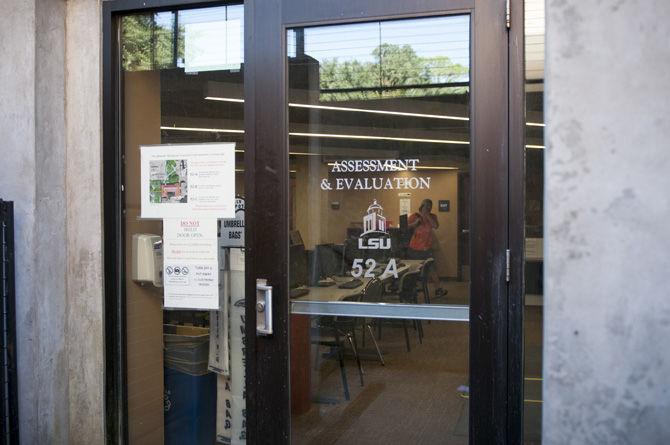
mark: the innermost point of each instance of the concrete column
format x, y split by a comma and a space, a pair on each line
85, 288
607, 305
17, 150
50, 358
50, 142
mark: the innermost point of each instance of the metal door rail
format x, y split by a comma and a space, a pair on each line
438, 312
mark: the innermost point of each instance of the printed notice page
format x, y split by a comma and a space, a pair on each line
189, 180
190, 266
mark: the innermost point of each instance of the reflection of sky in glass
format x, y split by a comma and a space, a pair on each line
428, 37
164, 20
232, 13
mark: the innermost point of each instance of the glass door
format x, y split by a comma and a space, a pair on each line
174, 169
377, 187
379, 129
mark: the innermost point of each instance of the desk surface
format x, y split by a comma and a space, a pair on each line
334, 293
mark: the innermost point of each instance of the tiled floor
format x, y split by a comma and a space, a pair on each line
414, 399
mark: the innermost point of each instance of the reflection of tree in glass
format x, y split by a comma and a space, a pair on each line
148, 43
393, 66
155, 191
172, 176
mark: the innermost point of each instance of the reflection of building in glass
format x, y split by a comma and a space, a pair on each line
170, 190
374, 221
168, 181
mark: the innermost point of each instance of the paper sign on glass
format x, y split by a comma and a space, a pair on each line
190, 264
190, 180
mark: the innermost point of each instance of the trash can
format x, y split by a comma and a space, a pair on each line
190, 389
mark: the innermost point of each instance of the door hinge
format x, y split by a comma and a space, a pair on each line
508, 14
507, 266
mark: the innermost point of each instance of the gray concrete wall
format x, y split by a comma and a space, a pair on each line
607, 313
50, 142
84, 221
17, 150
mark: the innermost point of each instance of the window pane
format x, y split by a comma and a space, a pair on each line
185, 376
379, 161
533, 319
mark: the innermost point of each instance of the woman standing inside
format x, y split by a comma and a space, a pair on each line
423, 223
421, 243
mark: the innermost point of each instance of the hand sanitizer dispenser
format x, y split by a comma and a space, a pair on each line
147, 259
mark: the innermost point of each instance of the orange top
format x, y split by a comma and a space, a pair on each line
423, 233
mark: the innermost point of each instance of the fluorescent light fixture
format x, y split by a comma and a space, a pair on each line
367, 110
241, 170
323, 135
302, 153
225, 99
207, 130
351, 109
334, 136
378, 138
296, 153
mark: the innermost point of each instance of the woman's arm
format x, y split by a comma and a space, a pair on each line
414, 220
433, 221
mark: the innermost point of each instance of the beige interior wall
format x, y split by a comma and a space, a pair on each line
144, 314
319, 223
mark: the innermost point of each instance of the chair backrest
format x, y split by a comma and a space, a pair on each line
425, 268
408, 286
373, 291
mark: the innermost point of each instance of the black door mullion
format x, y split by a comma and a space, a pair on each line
517, 202
489, 225
266, 190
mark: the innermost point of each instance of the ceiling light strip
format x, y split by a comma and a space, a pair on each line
323, 135
352, 109
378, 138
206, 130
225, 99
366, 110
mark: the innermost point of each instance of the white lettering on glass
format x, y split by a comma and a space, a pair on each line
375, 183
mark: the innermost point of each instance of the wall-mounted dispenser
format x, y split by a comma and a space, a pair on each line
147, 259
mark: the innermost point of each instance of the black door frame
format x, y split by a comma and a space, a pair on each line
267, 132
497, 112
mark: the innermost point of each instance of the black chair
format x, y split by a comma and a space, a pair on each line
407, 293
373, 293
332, 332
425, 276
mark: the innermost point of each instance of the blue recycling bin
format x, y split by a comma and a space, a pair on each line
190, 389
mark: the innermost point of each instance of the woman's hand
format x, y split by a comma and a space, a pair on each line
432, 219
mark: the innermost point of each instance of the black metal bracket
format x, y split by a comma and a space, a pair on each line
9, 406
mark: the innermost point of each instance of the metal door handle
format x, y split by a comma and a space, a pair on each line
263, 307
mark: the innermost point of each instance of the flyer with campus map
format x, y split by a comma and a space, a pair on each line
189, 180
